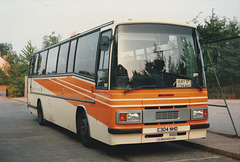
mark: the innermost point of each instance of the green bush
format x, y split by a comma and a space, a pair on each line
3, 78
230, 92
14, 91
16, 86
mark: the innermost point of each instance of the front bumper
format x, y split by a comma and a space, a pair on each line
150, 135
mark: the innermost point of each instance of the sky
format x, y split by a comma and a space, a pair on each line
24, 20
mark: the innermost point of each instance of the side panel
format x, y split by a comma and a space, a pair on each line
56, 110
60, 97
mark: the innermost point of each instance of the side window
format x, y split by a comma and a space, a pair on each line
62, 58
86, 54
71, 56
41, 69
103, 66
35, 69
31, 65
52, 60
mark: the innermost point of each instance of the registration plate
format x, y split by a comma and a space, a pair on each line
167, 129
183, 83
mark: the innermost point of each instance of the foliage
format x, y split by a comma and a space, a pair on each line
14, 91
28, 50
49, 40
18, 70
228, 63
19, 64
216, 28
5, 48
3, 78
16, 73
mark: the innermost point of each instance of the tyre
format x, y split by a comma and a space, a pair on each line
83, 132
41, 120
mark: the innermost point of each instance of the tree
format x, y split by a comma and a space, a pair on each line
49, 40
27, 51
18, 69
5, 48
222, 34
216, 28
195, 20
3, 78
16, 72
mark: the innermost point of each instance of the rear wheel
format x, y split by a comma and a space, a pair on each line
83, 132
41, 120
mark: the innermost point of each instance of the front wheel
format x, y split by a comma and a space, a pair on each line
41, 120
83, 132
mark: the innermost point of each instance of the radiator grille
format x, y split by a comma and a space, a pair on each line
167, 115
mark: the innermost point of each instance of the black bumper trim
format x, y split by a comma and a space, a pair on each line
124, 131
200, 126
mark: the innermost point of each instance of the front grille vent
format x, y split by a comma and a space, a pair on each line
182, 106
167, 115
165, 107
151, 108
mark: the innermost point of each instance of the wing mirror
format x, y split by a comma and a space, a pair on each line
104, 43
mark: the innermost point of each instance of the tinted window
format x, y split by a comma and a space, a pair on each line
102, 73
41, 69
62, 58
35, 71
156, 56
71, 56
52, 60
86, 54
104, 55
31, 65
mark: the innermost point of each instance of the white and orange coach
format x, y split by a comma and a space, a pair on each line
123, 83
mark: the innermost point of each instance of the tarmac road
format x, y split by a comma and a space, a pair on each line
22, 139
219, 119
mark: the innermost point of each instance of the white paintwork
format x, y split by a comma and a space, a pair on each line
198, 133
55, 110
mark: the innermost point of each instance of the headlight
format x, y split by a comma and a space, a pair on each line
129, 117
199, 113
133, 117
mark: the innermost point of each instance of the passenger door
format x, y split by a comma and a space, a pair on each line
102, 82
103, 64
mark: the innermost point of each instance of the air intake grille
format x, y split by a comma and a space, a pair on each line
167, 115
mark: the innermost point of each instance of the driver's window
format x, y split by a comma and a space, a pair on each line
103, 66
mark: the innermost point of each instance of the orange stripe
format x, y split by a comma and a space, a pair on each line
106, 114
